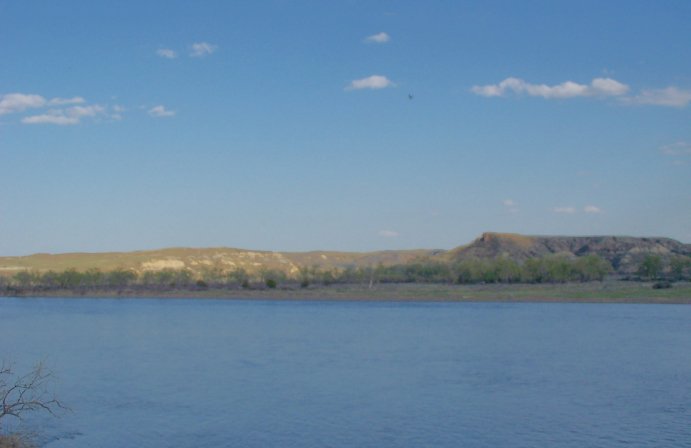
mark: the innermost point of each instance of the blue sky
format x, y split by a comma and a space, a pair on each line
287, 125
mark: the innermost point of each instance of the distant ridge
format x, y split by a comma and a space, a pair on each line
623, 252
203, 260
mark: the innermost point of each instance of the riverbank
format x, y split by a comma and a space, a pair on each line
593, 292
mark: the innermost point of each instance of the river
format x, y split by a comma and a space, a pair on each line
197, 373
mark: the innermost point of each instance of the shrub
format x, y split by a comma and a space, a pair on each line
651, 267
22, 394
15, 441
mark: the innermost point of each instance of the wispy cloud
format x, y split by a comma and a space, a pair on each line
117, 112
19, 102
67, 116
389, 233
601, 87
569, 210
201, 49
379, 38
680, 152
598, 87
166, 53
371, 82
84, 111
670, 97
64, 101
51, 118
676, 149
160, 111
511, 205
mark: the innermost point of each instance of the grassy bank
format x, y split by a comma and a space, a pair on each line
596, 292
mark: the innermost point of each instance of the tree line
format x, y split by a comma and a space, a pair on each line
551, 269
654, 267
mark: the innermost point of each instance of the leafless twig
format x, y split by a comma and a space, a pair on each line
22, 394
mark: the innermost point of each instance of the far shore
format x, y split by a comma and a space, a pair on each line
593, 292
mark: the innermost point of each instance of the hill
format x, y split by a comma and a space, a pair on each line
624, 253
199, 261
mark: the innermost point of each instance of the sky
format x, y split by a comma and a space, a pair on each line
340, 125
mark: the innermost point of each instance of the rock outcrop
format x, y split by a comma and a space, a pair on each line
624, 253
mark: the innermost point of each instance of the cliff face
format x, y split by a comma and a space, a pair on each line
623, 252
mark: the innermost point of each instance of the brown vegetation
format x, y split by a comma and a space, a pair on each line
15, 441
22, 394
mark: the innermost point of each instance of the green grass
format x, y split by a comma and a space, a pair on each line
601, 292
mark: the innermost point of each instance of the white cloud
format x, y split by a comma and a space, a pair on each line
389, 233
371, 82
160, 111
379, 38
70, 111
565, 210
117, 112
608, 87
511, 205
51, 118
84, 111
676, 149
68, 116
598, 87
571, 210
166, 53
201, 49
670, 97
64, 101
568, 89
19, 102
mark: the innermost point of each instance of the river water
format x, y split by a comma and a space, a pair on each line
211, 373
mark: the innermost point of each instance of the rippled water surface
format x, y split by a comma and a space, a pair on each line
209, 373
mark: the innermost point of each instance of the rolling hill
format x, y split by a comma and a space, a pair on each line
200, 260
624, 253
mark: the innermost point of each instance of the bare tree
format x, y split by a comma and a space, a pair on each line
26, 393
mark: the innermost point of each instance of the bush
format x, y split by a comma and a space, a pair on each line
15, 441
271, 283
651, 267
22, 394
662, 285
